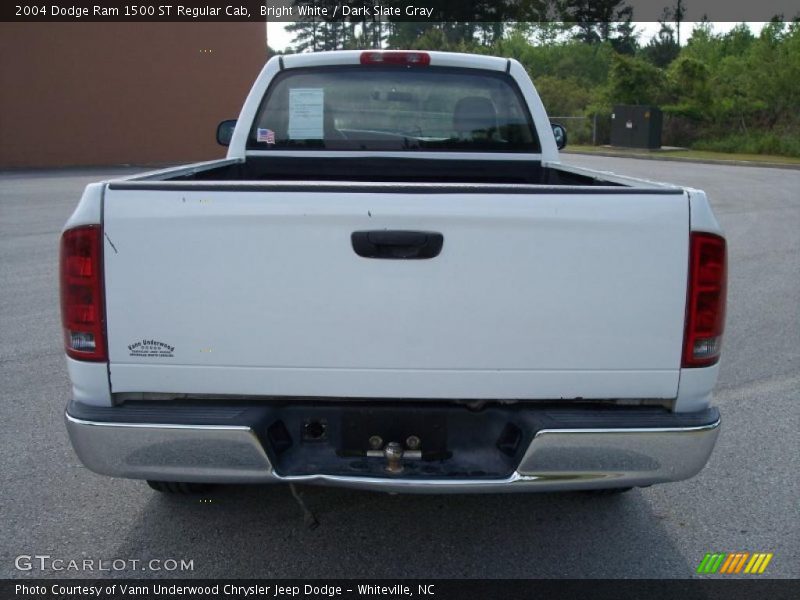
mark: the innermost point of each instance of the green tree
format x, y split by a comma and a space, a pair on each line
449, 36
662, 48
600, 21
626, 39
635, 81
678, 13
772, 68
703, 44
563, 96
403, 34
307, 35
690, 85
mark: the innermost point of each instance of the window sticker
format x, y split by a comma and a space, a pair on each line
306, 106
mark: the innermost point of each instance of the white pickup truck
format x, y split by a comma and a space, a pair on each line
392, 283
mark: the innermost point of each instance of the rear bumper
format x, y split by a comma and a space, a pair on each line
569, 452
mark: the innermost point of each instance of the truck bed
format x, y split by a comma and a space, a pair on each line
366, 169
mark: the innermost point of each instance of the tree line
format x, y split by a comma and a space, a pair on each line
594, 21
737, 91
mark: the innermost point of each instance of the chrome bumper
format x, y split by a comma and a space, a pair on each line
555, 460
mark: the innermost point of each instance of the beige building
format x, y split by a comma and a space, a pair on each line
74, 94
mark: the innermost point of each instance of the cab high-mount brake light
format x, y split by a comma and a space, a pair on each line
82, 310
408, 59
705, 310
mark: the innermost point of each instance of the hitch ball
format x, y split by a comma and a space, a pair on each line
394, 455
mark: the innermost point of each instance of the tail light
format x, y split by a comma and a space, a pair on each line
705, 312
82, 311
410, 59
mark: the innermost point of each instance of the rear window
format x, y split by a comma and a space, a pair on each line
393, 108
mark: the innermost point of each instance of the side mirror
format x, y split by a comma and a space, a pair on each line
225, 132
560, 133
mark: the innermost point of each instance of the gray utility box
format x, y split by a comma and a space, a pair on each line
636, 126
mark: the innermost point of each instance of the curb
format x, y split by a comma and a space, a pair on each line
706, 161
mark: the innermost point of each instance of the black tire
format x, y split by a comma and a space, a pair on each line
179, 487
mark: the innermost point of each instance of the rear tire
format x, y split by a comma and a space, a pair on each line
179, 487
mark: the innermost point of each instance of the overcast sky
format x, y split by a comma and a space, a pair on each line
279, 39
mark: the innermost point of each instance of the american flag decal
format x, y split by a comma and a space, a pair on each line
265, 135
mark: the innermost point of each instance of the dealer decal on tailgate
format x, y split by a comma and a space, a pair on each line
151, 349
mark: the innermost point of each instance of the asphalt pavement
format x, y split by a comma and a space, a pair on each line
746, 499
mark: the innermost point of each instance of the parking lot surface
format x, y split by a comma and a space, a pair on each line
746, 499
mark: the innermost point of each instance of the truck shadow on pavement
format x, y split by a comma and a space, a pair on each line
259, 531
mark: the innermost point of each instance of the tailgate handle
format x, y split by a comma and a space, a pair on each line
390, 244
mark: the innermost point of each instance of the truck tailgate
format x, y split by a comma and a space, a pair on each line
258, 291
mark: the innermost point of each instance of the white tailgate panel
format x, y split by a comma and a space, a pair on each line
260, 292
